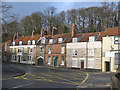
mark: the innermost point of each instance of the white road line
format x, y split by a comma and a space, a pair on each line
23, 85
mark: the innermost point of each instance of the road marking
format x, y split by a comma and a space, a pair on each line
85, 79
60, 78
15, 77
23, 85
49, 80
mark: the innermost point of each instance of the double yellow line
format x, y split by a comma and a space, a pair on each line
15, 77
49, 80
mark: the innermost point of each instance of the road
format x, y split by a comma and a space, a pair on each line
30, 76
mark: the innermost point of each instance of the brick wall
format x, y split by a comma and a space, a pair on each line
55, 51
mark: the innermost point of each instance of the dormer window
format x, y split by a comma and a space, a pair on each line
33, 42
20, 42
43, 40
91, 38
13, 43
29, 42
60, 40
50, 41
75, 39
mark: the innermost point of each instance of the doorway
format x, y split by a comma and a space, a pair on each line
107, 66
19, 58
82, 64
55, 59
40, 61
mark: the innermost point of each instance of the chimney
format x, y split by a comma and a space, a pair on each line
74, 29
14, 38
32, 33
22, 35
54, 31
45, 31
17, 35
42, 32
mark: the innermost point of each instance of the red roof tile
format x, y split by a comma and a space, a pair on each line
85, 38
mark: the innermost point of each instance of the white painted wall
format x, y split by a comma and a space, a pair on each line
23, 46
96, 44
76, 45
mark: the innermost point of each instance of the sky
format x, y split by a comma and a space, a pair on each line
22, 9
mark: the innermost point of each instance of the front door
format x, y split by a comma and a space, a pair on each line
19, 58
107, 66
56, 61
82, 64
40, 61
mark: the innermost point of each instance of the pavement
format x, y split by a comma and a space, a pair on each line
29, 76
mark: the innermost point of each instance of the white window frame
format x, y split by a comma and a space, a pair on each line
90, 60
74, 64
49, 60
33, 42
62, 49
13, 57
13, 50
116, 58
74, 40
91, 52
51, 41
20, 42
60, 40
25, 50
91, 38
30, 50
49, 50
41, 49
43, 41
62, 60
29, 42
75, 52
116, 39
13, 43
20, 50
29, 57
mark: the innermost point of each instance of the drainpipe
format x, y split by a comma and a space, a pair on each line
36, 57
86, 54
44, 53
101, 54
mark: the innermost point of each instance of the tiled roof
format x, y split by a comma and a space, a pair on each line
85, 38
26, 38
109, 32
9, 41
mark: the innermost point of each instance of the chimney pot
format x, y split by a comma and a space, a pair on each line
42, 32
54, 31
32, 33
74, 29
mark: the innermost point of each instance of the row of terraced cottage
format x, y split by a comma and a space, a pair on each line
97, 51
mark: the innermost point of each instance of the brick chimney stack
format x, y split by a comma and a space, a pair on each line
54, 31
74, 29
14, 38
45, 31
17, 35
32, 33
42, 32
